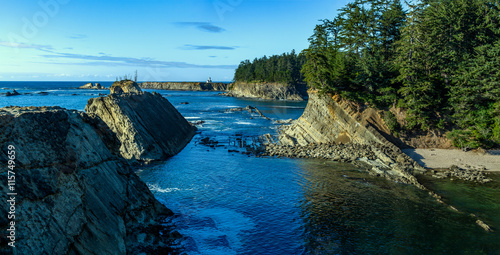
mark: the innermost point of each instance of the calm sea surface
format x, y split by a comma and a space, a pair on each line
229, 203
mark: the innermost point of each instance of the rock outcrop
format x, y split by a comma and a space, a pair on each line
75, 194
90, 86
13, 93
329, 120
126, 86
271, 91
191, 86
147, 125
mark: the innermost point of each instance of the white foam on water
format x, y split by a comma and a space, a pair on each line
245, 123
190, 118
157, 188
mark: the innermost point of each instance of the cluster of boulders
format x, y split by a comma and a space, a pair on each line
92, 86
466, 173
349, 153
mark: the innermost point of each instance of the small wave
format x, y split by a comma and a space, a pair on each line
156, 188
244, 123
190, 118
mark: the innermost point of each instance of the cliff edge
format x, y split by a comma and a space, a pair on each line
270, 91
147, 125
350, 132
75, 194
190, 86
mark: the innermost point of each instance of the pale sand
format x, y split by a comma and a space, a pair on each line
443, 158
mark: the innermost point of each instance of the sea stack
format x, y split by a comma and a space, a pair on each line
74, 193
147, 125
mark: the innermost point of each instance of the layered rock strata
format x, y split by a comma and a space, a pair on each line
272, 91
191, 86
75, 194
332, 120
338, 129
147, 125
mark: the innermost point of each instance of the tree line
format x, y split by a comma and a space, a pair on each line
437, 59
283, 69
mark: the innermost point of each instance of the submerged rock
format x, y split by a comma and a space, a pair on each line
147, 125
75, 194
13, 93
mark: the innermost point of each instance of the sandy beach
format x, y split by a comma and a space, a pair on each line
444, 158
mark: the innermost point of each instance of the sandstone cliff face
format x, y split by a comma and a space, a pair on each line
191, 86
331, 120
75, 195
274, 91
147, 125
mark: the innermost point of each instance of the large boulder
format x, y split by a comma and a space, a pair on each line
125, 86
148, 126
86, 86
75, 195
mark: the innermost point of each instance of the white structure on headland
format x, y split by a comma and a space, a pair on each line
209, 80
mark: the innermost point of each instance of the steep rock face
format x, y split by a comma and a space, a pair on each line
147, 125
331, 120
191, 86
74, 195
274, 91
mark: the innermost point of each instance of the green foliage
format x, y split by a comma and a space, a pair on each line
392, 123
353, 53
440, 60
283, 68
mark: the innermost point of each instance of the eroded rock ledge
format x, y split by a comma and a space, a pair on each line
76, 194
274, 91
147, 125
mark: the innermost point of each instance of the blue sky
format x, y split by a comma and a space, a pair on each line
95, 40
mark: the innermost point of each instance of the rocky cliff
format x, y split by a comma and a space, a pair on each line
75, 194
274, 91
330, 120
147, 125
339, 129
193, 86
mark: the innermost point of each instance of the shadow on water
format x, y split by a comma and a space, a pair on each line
345, 211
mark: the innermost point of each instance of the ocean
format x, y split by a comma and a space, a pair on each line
228, 202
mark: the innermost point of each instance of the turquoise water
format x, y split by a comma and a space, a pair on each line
227, 202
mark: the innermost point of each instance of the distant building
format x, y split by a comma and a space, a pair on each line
209, 80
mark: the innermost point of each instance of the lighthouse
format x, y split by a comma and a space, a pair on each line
209, 80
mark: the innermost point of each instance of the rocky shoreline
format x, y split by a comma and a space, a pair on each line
336, 129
